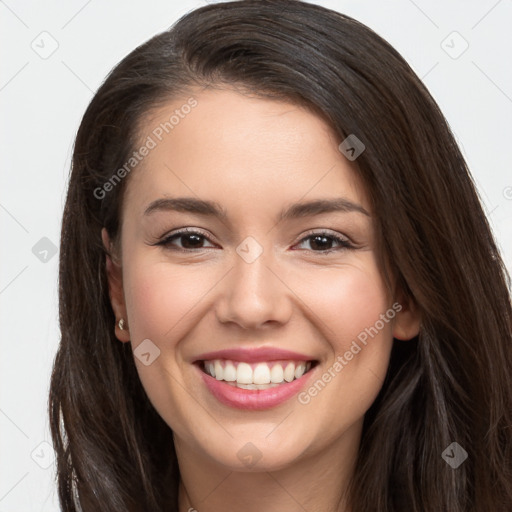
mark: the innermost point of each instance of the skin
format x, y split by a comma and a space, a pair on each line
253, 156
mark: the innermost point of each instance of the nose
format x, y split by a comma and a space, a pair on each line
254, 295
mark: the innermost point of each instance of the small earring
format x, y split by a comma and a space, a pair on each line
121, 324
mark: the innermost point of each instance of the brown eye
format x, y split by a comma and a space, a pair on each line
323, 242
189, 240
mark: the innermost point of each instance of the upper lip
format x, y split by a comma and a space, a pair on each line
254, 355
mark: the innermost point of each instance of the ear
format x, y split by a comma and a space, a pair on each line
407, 319
115, 287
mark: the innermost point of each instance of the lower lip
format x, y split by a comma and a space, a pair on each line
253, 399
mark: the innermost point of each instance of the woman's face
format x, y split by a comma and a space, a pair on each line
225, 320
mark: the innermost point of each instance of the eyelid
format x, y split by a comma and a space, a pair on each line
192, 230
324, 231
165, 239
343, 240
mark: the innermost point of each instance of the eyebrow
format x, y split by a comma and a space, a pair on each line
294, 211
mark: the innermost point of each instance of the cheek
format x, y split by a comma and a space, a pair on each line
350, 304
161, 299
344, 301
340, 302
164, 305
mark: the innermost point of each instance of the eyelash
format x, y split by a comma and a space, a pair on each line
166, 242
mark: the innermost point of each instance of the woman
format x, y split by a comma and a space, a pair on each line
278, 289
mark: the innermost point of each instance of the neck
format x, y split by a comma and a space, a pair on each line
316, 483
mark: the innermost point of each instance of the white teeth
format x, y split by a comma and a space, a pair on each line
229, 372
299, 370
261, 374
289, 372
276, 374
219, 372
244, 374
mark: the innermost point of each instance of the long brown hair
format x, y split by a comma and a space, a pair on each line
452, 383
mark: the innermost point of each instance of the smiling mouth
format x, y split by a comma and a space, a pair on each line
256, 376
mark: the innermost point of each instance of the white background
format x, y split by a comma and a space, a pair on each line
42, 101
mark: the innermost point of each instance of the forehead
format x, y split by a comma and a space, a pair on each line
243, 151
